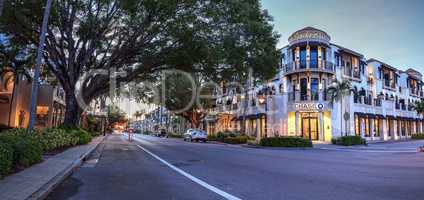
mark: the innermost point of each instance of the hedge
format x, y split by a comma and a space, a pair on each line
20, 150
349, 141
27, 150
285, 142
418, 136
236, 140
6, 159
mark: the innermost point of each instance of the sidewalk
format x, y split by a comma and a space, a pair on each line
37, 181
400, 147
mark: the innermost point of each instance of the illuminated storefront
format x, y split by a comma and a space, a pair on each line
380, 105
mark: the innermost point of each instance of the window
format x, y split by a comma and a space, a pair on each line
314, 89
314, 57
303, 89
367, 127
377, 129
357, 126
303, 57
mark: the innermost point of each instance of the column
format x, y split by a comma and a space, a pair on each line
297, 125
384, 129
371, 121
308, 56
362, 125
321, 127
395, 129
320, 66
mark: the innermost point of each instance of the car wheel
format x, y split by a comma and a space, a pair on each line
204, 141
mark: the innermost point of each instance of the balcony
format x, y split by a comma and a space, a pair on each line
295, 67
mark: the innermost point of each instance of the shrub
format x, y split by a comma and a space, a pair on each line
236, 140
285, 142
6, 159
27, 149
173, 135
418, 136
212, 137
348, 141
83, 136
54, 138
148, 133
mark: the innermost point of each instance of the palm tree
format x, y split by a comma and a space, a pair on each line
337, 92
13, 66
419, 107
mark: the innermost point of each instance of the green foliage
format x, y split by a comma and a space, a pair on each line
236, 140
18, 149
419, 136
173, 135
419, 107
83, 136
212, 138
285, 142
26, 148
6, 159
116, 114
220, 40
55, 138
147, 132
349, 141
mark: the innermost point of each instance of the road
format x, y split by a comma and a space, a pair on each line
159, 168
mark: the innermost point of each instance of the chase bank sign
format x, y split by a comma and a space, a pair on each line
308, 106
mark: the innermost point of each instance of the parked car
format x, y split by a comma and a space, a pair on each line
195, 135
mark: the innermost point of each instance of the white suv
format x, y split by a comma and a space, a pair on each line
195, 135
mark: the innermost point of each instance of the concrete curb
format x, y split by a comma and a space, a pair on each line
45, 190
368, 150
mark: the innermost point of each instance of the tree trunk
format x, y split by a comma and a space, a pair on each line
73, 111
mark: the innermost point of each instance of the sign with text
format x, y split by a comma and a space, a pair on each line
309, 106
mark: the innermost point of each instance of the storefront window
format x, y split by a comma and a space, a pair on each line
367, 127
357, 126
377, 129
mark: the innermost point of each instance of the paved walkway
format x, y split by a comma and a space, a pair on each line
410, 146
32, 183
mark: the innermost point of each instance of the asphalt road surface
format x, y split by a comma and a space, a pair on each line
154, 168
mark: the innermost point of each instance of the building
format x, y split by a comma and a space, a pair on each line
15, 103
295, 102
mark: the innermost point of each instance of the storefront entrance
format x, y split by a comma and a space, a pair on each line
310, 127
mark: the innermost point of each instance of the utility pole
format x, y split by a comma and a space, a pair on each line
40, 50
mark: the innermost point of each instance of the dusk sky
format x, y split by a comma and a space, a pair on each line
389, 30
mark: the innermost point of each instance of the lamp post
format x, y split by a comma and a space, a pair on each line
34, 90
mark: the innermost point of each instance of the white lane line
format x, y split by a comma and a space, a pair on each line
187, 175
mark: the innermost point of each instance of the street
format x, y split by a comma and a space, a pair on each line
160, 168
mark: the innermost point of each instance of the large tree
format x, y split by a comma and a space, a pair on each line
220, 39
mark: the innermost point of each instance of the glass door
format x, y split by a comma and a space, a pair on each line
310, 128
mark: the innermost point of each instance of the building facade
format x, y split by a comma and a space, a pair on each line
15, 99
295, 102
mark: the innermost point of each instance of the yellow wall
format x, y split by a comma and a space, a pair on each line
291, 124
327, 126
